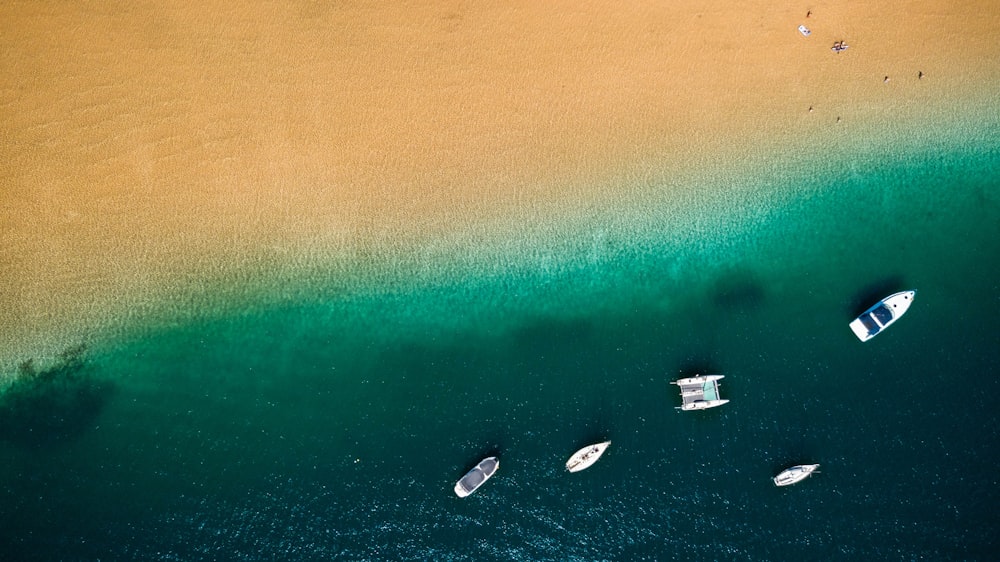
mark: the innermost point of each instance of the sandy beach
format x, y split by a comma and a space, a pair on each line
151, 149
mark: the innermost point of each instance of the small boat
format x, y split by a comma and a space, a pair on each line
477, 476
882, 315
700, 393
586, 456
794, 474
804, 31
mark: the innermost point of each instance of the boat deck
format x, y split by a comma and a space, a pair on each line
708, 390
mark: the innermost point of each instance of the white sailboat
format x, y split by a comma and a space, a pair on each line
794, 474
586, 456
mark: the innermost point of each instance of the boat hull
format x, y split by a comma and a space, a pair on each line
698, 380
476, 477
883, 314
586, 457
703, 404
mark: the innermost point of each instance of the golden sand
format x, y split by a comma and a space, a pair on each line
152, 145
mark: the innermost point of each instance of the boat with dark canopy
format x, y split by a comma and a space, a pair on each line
879, 317
477, 476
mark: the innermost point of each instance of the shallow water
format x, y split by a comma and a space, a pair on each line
335, 426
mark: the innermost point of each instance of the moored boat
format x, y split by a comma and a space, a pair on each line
477, 476
882, 315
586, 457
700, 393
794, 474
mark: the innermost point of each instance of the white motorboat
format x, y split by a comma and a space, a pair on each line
700, 393
586, 456
477, 476
879, 317
794, 474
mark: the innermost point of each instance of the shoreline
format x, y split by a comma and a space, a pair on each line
250, 145
450, 266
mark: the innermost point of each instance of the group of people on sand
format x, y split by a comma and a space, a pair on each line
839, 46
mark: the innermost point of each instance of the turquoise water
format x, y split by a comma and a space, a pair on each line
334, 425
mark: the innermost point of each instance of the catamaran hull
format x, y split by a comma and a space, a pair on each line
698, 380
703, 404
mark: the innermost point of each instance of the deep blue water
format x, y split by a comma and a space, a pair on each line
335, 426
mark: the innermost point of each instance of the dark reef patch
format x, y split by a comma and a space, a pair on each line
53, 405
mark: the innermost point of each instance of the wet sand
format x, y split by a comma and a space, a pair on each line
151, 150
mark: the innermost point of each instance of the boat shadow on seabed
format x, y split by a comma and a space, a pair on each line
873, 293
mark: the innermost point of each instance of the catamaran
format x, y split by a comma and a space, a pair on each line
879, 317
477, 476
586, 456
700, 393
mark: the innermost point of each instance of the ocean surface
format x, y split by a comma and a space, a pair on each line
334, 424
